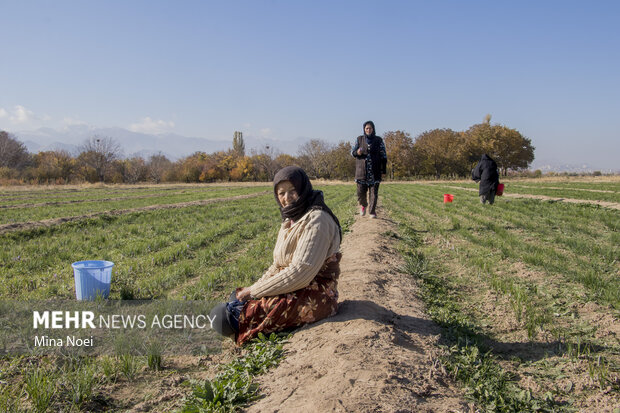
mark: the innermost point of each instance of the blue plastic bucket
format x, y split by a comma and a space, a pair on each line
92, 278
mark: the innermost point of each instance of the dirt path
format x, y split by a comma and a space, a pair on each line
603, 191
18, 226
606, 204
378, 354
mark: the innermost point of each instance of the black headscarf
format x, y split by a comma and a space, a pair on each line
370, 137
309, 199
374, 150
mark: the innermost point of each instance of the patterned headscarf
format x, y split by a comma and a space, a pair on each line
374, 131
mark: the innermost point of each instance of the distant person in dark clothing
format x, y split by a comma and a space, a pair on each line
370, 163
486, 173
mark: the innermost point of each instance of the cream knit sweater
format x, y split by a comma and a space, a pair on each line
299, 254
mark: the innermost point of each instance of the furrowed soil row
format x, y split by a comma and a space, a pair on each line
610, 194
564, 188
101, 192
101, 198
17, 215
595, 201
18, 226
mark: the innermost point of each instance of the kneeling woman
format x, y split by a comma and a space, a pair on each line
300, 287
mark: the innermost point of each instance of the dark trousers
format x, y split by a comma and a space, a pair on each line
371, 203
489, 196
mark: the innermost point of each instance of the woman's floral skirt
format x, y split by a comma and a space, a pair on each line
307, 305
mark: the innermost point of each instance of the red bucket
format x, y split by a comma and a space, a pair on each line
500, 190
447, 198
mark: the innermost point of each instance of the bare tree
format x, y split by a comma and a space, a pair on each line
157, 165
133, 170
98, 153
13, 153
264, 162
317, 152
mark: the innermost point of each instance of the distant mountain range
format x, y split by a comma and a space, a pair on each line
173, 146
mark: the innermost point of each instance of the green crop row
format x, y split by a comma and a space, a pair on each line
155, 251
593, 186
51, 195
550, 190
28, 214
565, 193
233, 387
194, 252
466, 356
521, 260
576, 242
571, 184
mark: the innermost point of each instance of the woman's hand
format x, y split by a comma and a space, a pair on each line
359, 151
244, 294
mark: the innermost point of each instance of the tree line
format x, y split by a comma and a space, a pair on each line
435, 153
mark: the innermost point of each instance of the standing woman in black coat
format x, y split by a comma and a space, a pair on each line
486, 173
370, 163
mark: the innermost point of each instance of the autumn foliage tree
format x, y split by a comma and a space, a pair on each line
400, 154
191, 168
53, 167
512, 150
242, 170
341, 163
284, 159
439, 151
508, 147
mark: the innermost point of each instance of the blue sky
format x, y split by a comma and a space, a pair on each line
318, 69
